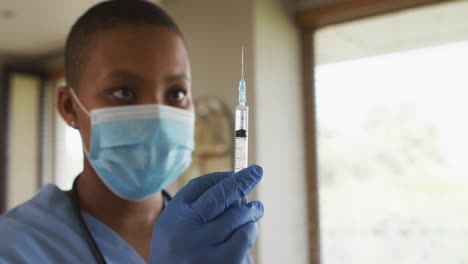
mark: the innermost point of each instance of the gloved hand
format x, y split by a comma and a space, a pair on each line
204, 222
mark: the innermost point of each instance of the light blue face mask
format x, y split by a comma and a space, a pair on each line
139, 150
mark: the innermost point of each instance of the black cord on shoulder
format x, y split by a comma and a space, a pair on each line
89, 237
167, 197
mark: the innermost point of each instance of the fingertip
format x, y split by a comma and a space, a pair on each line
257, 204
252, 174
256, 170
258, 210
248, 178
260, 206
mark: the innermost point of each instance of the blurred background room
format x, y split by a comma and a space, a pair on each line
356, 117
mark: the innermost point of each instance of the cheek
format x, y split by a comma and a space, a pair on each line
190, 100
191, 105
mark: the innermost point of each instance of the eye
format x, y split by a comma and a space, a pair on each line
124, 94
177, 96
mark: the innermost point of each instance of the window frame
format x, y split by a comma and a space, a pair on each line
308, 22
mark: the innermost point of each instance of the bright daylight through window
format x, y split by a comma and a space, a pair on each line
392, 138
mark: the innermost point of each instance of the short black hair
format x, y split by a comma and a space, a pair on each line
104, 16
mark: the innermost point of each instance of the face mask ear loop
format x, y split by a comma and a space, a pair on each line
78, 101
84, 110
85, 150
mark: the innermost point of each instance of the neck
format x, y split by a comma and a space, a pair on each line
132, 220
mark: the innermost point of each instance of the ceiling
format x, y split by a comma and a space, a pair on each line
33, 28
409, 29
39, 27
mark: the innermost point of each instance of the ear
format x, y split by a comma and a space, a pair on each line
65, 106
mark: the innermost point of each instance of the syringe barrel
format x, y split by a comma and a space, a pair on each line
242, 117
241, 138
241, 145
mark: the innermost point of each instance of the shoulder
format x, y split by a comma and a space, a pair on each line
50, 201
13, 237
40, 224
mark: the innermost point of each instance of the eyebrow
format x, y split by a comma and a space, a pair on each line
131, 75
178, 77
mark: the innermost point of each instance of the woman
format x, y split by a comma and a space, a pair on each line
128, 93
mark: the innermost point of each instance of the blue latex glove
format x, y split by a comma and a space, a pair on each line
204, 222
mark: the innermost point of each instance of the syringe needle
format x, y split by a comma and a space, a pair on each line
242, 63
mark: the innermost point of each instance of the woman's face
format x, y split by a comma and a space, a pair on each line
130, 65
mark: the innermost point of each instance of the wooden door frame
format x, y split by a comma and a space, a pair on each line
4, 120
308, 21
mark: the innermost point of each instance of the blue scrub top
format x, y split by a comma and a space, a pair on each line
46, 230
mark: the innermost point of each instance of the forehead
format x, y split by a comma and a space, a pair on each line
148, 50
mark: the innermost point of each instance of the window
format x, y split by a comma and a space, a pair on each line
391, 96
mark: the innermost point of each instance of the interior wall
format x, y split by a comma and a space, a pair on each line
215, 31
280, 135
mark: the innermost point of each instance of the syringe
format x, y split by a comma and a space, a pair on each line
241, 146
